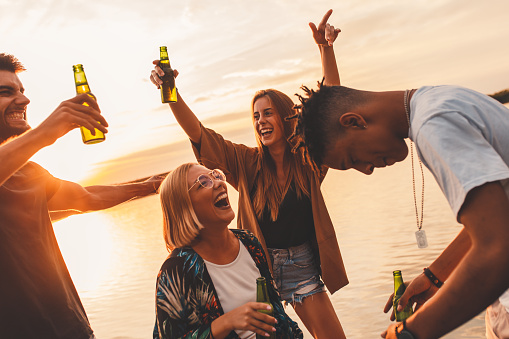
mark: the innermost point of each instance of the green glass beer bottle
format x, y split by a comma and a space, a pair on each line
399, 289
263, 297
80, 80
168, 89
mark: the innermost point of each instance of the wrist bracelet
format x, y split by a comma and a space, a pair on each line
432, 277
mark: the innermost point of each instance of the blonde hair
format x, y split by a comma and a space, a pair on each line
180, 223
268, 191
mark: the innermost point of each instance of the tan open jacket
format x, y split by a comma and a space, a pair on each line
240, 164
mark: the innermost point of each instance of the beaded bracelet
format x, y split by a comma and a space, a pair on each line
432, 277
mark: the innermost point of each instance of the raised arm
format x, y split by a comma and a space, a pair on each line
69, 115
324, 36
72, 198
185, 117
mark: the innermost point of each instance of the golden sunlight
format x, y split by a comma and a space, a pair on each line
86, 244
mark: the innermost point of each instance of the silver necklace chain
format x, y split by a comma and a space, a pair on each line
419, 222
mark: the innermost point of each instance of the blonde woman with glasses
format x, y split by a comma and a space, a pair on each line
204, 292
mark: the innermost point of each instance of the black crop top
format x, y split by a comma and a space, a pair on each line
294, 224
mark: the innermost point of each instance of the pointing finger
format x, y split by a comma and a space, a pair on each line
325, 18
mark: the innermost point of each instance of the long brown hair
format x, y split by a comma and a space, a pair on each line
269, 192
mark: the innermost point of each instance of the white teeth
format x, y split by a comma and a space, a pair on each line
220, 197
265, 130
15, 116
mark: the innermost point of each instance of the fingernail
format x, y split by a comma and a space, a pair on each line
268, 307
400, 308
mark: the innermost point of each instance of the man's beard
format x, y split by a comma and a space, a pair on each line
8, 132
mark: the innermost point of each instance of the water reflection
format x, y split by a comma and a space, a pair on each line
114, 256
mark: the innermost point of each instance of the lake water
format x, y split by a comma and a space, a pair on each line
114, 255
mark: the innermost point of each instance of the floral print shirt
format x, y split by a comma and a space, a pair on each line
187, 302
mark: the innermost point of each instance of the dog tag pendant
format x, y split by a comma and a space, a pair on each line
422, 241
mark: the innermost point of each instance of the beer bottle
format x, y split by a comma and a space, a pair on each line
399, 289
168, 89
263, 297
81, 83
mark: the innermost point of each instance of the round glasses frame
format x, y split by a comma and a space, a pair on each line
207, 180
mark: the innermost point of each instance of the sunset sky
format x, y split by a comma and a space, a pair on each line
225, 51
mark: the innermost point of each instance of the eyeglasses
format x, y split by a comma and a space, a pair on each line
207, 180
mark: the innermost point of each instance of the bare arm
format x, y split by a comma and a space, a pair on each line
72, 198
69, 115
481, 276
324, 36
420, 289
185, 117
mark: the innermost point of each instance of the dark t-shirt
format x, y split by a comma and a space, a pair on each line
37, 296
294, 224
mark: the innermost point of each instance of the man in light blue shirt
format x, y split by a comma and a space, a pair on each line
463, 138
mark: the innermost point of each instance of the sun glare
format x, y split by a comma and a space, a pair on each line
87, 245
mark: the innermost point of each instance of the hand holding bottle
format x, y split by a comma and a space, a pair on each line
71, 114
325, 34
418, 291
157, 74
246, 317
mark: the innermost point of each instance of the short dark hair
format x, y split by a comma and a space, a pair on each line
318, 119
10, 63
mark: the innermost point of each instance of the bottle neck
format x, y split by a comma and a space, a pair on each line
163, 58
261, 291
80, 80
398, 281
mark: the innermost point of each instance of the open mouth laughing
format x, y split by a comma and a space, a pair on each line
222, 201
265, 132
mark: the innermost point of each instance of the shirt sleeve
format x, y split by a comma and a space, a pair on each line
459, 156
176, 307
52, 183
214, 151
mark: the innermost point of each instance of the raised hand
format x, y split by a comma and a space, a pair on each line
157, 73
71, 114
324, 34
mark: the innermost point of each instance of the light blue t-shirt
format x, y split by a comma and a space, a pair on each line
462, 137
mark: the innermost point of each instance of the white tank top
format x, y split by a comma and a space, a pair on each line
235, 283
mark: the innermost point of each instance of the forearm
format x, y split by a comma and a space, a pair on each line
445, 264
475, 284
186, 119
220, 328
329, 66
16, 152
482, 275
103, 197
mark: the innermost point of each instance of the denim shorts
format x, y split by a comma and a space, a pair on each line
295, 272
